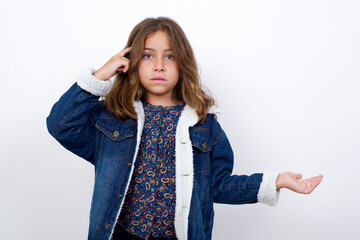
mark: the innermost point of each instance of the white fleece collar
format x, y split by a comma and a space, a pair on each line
184, 170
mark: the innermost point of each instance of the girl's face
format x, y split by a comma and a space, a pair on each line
158, 70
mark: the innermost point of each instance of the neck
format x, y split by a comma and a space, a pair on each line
160, 100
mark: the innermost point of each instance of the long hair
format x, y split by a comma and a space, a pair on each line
127, 87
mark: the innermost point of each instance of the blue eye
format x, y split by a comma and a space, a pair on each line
147, 56
170, 57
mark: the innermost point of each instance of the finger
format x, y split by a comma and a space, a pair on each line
313, 183
298, 176
126, 67
317, 181
120, 69
124, 51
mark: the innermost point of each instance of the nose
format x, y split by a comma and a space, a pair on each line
159, 66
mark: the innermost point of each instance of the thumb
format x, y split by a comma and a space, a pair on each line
298, 176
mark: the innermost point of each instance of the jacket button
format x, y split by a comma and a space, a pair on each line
107, 226
116, 134
204, 145
129, 164
119, 195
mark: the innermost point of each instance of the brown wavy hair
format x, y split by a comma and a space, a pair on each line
127, 87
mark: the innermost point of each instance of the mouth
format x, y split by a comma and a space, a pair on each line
158, 79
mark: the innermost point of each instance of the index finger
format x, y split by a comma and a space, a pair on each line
124, 51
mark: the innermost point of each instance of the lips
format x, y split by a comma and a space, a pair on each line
158, 79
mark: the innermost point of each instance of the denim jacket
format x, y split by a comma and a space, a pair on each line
204, 160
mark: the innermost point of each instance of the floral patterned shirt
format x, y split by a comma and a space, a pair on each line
149, 205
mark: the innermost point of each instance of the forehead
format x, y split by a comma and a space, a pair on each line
158, 40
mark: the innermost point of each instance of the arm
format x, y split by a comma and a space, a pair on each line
237, 189
227, 188
72, 119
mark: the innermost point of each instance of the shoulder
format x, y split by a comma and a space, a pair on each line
210, 132
211, 125
211, 115
214, 110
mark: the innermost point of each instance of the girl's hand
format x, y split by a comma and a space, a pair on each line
117, 63
293, 182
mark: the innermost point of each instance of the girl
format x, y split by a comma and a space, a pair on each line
161, 158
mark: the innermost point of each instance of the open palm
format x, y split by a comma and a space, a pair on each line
294, 182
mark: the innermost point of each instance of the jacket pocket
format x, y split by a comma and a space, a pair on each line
200, 139
114, 137
201, 144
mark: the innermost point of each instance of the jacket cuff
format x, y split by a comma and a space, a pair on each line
87, 81
267, 192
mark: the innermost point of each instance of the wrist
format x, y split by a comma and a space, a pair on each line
99, 76
279, 182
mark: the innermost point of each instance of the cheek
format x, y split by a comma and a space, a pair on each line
140, 68
175, 70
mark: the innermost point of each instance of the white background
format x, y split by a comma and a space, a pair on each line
285, 74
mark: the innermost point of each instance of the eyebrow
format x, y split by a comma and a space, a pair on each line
151, 49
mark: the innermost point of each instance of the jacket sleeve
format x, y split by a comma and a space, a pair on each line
237, 189
72, 118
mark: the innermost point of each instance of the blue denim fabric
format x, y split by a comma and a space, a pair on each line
82, 125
